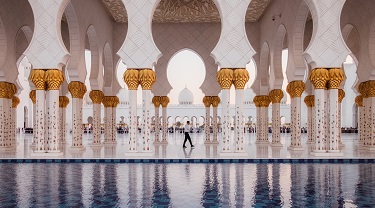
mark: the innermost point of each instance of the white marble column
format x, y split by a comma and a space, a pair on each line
207, 103
327, 118
63, 103
215, 103
9, 114
370, 86
156, 102
116, 101
264, 116
239, 132
108, 114
146, 120
15, 102
164, 100
341, 95
97, 97
309, 101
262, 102
131, 78
225, 97
3, 106
54, 79
361, 115
32, 96
319, 78
77, 90
295, 90
276, 96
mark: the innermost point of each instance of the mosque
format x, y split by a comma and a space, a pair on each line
50, 40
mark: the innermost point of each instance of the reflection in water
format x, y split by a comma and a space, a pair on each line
165, 185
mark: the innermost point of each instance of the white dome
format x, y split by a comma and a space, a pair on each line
185, 97
123, 95
248, 95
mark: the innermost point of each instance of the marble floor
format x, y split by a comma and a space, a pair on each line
174, 150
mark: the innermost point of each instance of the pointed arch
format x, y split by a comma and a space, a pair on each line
96, 78
264, 64
108, 68
276, 60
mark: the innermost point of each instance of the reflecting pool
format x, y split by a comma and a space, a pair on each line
187, 185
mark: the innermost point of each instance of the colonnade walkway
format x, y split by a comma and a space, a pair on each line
174, 150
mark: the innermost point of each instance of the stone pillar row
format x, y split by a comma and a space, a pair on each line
97, 98
327, 140
63, 103
309, 101
47, 83
367, 129
208, 101
361, 120
110, 133
146, 78
7, 138
32, 96
262, 102
276, 96
238, 77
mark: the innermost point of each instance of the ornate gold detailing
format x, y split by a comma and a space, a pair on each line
185, 11
96, 96
362, 88
156, 101
147, 78
207, 101
336, 75
240, 78
262, 100
276, 95
359, 100
309, 101
32, 96
319, 77
164, 100
12, 91
370, 88
225, 78
54, 78
63, 101
341, 95
131, 79
77, 89
15, 101
295, 88
4, 89
215, 100
37, 77
110, 101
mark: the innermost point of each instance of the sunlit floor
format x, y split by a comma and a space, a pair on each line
174, 150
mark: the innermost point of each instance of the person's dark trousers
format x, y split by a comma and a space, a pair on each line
187, 137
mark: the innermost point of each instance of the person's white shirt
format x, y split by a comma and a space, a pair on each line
187, 128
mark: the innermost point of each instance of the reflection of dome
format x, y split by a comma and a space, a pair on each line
123, 96
185, 97
248, 96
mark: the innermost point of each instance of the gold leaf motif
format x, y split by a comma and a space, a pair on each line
156, 101
359, 100
276, 95
147, 78
336, 75
215, 100
96, 96
77, 89
225, 78
32, 96
37, 77
295, 88
341, 95
319, 78
240, 78
54, 78
131, 79
15, 101
207, 101
63, 101
164, 100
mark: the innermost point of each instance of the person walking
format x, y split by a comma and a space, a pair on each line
187, 136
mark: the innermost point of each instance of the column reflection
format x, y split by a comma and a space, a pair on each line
364, 191
239, 194
276, 189
110, 185
161, 192
210, 195
96, 192
262, 196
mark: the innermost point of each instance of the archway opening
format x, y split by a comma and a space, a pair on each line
186, 70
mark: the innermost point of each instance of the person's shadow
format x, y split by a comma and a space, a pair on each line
187, 155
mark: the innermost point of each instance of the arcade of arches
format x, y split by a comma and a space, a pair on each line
53, 36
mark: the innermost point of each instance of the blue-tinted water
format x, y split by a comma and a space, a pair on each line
187, 185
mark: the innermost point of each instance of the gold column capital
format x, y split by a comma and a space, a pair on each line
359, 100
147, 78
319, 77
63, 101
262, 100
336, 76
77, 89
309, 101
164, 100
37, 77
115, 101
341, 95
131, 79
32, 96
207, 101
15, 101
12, 90
96, 96
240, 78
295, 88
362, 88
4, 89
54, 78
276, 95
225, 78
156, 101
370, 88
107, 101
215, 101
